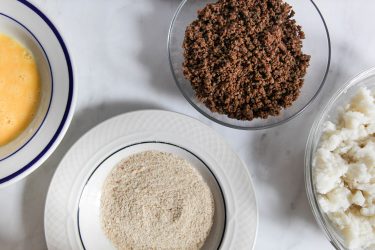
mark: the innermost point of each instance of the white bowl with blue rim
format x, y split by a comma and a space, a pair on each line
29, 26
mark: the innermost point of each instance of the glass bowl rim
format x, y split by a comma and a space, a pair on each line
309, 155
207, 115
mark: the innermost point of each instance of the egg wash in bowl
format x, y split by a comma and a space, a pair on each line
19, 88
39, 135
26, 86
344, 173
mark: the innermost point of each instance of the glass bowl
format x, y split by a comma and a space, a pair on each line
329, 113
317, 44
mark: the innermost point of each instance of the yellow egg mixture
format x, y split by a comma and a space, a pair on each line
19, 89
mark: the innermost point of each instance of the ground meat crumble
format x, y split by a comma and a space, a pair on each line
244, 57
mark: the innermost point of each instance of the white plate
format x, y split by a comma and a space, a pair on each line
71, 214
28, 25
89, 225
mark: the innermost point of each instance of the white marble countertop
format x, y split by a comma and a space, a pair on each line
119, 52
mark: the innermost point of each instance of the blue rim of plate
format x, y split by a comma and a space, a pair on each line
70, 94
50, 101
167, 143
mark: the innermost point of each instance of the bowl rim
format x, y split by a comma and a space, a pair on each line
313, 138
37, 160
169, 42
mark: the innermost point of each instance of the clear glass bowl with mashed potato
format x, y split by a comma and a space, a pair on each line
332, 112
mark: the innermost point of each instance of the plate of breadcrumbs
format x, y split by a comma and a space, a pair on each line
151, 180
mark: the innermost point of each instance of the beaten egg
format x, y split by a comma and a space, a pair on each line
19, 89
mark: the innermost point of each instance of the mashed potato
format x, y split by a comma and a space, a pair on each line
344, 171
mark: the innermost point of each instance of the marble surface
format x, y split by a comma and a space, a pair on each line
119, 53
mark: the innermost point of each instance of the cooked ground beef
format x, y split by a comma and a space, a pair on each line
244, 57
